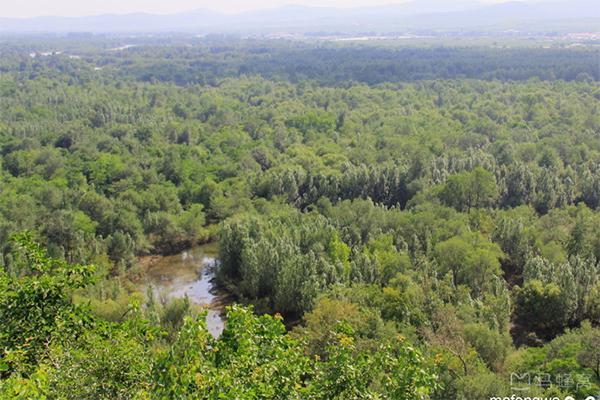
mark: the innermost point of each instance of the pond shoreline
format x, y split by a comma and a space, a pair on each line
189, 273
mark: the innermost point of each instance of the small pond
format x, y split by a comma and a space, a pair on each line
190, 272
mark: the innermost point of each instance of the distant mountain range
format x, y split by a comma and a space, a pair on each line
414, 16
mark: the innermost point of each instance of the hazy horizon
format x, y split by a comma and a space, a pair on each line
74, 8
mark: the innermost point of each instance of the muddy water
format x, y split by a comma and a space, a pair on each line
190, 273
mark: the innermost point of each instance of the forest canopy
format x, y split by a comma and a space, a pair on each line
394, 222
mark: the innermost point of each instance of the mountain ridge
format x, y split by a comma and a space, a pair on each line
414, 15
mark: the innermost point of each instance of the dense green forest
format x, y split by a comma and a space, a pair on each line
396, 222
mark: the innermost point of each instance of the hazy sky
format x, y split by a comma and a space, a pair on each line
30, 8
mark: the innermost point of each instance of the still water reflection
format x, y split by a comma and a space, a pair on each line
190, 272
